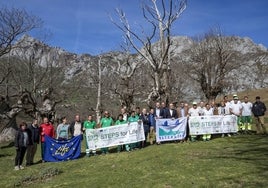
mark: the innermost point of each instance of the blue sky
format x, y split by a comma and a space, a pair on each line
84, 26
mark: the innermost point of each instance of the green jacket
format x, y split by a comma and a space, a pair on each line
133, 119
106, 122
118, 122
90, 124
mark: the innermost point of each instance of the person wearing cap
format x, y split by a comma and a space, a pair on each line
193, 111
258, 110
236, 109
246, 115
235, 96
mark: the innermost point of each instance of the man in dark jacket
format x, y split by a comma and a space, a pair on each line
76, 127
258, 110
35, 137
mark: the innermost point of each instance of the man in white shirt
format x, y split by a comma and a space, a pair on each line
193, 111
208, 111
236, 109
246, 115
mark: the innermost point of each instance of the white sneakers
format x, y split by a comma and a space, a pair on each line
18, 167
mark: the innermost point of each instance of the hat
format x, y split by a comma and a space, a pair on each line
258, 97
234, 95
235, 98
194, 103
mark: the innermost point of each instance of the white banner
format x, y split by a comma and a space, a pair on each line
170, 129
199, 125
114, 135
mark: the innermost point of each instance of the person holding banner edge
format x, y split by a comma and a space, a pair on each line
46, 128
120, 120
89, 124
106, 121
134, 117
193, 111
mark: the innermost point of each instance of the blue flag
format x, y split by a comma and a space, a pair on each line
56, 150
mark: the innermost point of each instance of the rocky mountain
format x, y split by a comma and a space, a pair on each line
74, 64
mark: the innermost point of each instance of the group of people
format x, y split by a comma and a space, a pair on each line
28, 137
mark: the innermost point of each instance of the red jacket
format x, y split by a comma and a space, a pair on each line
46, 129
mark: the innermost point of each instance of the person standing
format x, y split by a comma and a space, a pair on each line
89, 124
172, 112
246, 115
120, 120
182, 110
106, 121
145, 120
208, 111
159, 113
222, 111
35, 137
258, 110
63, 129
22, 140
193, 111
134, 117
46, 128
76, 127
164, 110
152, 122
236, 109
227, 105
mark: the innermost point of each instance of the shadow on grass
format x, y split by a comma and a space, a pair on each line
11, 144
4, 155
252, 150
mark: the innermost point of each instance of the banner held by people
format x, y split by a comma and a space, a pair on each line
62, 150
115, 135
171, 129
216, 124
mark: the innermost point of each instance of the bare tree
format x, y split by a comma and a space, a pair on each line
211, 60
13, 23
98, 112
30, 87
160, 15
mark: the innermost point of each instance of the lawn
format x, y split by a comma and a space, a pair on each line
238, 161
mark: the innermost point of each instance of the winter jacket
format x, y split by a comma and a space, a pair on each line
19, 138
258, 109
35, 133
46, 129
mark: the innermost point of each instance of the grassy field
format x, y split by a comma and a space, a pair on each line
238, 161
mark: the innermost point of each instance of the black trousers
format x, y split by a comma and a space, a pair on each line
20, 152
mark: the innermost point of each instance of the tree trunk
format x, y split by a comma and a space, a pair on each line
98, 114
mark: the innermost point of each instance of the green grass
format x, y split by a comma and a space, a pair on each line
240, 161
